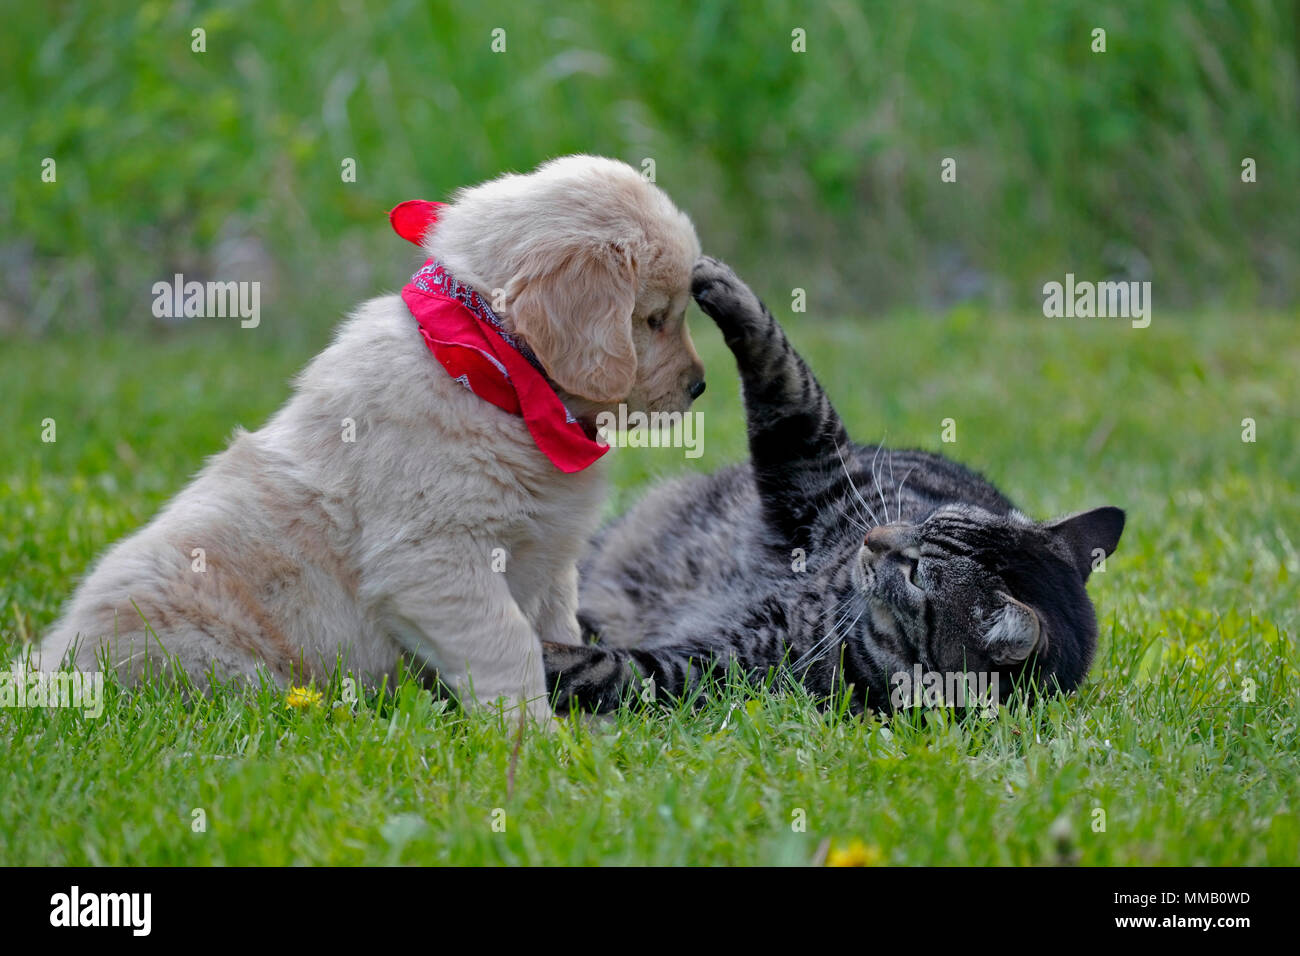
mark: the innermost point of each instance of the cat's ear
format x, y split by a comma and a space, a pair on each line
1014, 632
1090, 535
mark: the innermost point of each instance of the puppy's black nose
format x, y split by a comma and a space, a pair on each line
696, 389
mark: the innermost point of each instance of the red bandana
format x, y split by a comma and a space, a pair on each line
465, 335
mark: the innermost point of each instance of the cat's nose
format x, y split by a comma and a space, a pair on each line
890, 537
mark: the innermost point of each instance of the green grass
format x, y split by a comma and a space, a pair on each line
1198, 604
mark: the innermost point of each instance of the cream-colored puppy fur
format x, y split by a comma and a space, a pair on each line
315, 547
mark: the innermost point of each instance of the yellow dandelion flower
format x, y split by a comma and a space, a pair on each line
300, 697
856, 853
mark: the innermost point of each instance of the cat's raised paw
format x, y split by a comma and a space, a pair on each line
718, 290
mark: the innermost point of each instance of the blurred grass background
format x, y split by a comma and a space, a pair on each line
818, 170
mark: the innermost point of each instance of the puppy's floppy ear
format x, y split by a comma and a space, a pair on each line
577, 317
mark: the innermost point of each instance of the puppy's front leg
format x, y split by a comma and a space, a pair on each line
467, 626
557, 615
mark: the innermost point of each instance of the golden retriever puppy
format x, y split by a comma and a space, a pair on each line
403, 503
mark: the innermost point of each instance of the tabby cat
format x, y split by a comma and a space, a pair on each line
848, 564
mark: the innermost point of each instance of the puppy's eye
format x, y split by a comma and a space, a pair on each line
657, 320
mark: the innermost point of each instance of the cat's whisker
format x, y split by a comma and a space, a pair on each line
818, 649
900, 491
876, 477
841, 605
837, 607
857, 518
854, 595
852, 484
899, 516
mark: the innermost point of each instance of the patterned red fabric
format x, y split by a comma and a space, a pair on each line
470, 342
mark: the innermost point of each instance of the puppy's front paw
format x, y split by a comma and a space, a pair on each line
721, 294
